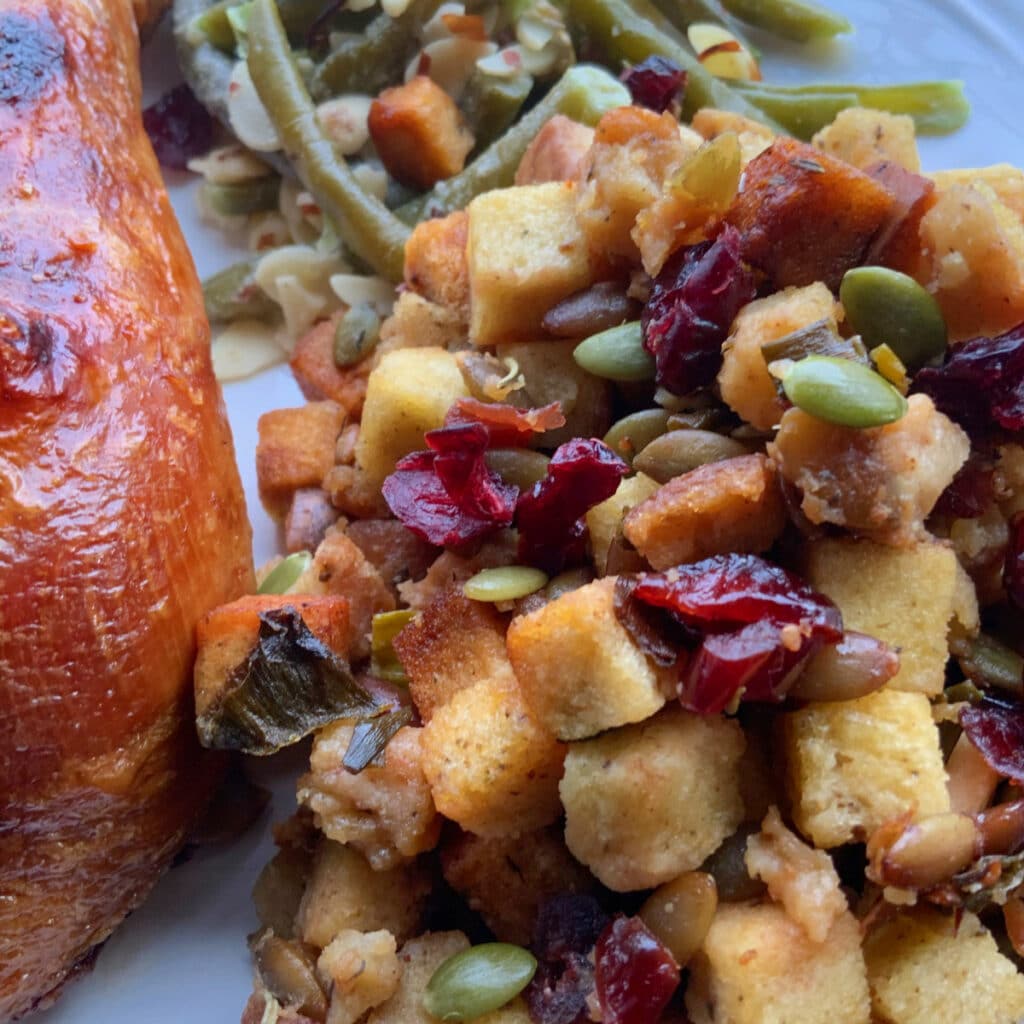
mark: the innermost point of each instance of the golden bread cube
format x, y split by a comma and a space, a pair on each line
904, 596
864, 137
758, 966
435, 261
363, 971
408, 393
492, 767
605, 519
578, 667
526, 252
927, 967
854, 765
1005, 180
647, 802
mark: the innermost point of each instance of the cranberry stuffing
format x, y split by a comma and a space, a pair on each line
448, 496
997, 731
634, 974
692, 304
1013, 570
507, 426
179, 127
980, 384
552, 533
656, 83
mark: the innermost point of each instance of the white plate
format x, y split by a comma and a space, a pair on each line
182, 957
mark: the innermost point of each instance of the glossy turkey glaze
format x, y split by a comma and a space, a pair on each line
121, 512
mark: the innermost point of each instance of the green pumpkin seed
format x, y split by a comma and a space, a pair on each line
568, 581
681, 451
477, 981
519, 466
886, 307
634, 432
285, 574
506, 583
843, 392
356, 335
384, 627
616, 354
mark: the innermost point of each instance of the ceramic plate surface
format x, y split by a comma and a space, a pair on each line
182, 957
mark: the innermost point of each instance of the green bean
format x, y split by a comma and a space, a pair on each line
797, 20
233, 293
490, 104
206, 68
629, 31
937, 107
803, 114
369, 229
243, 198
584, 93
376, 58
216, 26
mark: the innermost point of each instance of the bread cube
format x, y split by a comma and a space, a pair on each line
557, 153
417, 322
865, 137
344, 892
605, 520
746, 385
732, 505
1005, 180
904, 596
362, 970
647, 802
578, 667
759, 967
755, 138
295, 449
492, 767
408, 394
927, 967
436, 265
526, 252
455, 643
854, 765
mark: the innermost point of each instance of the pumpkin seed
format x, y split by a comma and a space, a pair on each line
634, 432
505, 583
285, 574
616, 354
886, 307
478, 980
356, 335
816, 339
288, 969
384, 627
519, 466
843, 392
681, 451
680, 912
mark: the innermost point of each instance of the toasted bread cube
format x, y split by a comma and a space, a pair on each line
344, 892
904, 596
1005, 180
295, 449
363, 971
436, 264
746, 385
578, 667
854, 765
557, 153
526, 252
732, 505
420, 958
647, 802
605, 520
419, 133
491, 766
506, 879
226, 634
385, 811
927, 967
408, 394
320, 378
759, 967
453, 645
805, 216
864, 137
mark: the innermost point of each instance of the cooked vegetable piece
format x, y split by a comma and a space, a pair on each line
284, 575
797, 20
478, 980
506, 583
233, 293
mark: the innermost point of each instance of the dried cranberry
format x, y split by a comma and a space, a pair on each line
997, 731
568, 922
558, 992
448, 496
656, 83
971, 492
179, 127
692, 305
980, 384
552, 533
1013, 569
507, 426
634, 974
654, 630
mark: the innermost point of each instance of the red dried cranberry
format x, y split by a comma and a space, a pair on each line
971, 492
179, 127
568, 922
449, 496
654, 630
692, 305
1013, 570
552, 533
980, 384
558, 993
997, 731
656, 83
635, 975
507, 426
